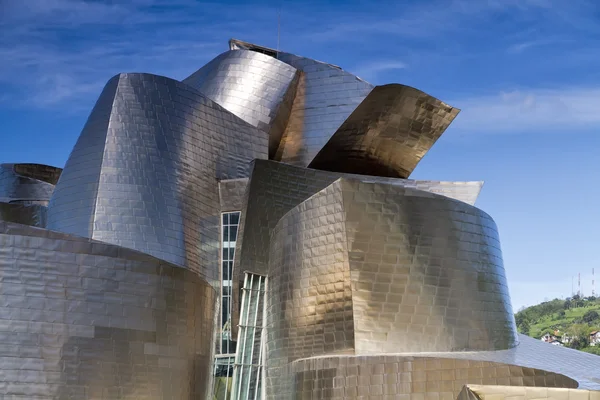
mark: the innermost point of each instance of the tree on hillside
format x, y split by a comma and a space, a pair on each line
524, 327
580, 334
590, 316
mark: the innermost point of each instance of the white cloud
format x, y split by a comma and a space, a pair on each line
539, 110
59, 53
370, 70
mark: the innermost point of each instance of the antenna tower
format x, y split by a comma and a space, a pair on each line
593, 284
579, 284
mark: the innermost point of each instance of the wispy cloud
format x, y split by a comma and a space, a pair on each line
371, 70
537, 110
426, 19
59, 52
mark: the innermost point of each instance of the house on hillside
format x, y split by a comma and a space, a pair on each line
594, 338
566, 339
548, 338
556, 343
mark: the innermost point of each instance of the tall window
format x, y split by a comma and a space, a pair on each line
229, 229
226, 348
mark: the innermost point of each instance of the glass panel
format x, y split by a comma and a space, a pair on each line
248, 367
233, 233
234, 218
225, 219
225, 233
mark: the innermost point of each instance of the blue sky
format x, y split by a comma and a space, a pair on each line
526, 74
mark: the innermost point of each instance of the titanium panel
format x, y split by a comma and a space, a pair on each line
81, 319
497, 392
388, 133
26, 214
144, 172
27, 183
275, 188
255, 87
231, 194
373, 269
392, 376
325, 97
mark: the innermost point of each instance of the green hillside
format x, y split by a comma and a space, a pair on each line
573, 318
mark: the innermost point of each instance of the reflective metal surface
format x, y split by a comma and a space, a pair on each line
80, 319
387, 134
27, 183
231, 194
143, 172
325, 97
389, 270
394, 377
497, 392
363, 285
257, 88
26, 214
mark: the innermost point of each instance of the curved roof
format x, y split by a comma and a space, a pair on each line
387, 134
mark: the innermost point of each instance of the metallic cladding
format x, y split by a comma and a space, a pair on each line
498, 392
27, 183
26, 214
81, 319
231, 194
393, 376
376, 269
255, 87
325, 97
387, 134
275, 188
144, 172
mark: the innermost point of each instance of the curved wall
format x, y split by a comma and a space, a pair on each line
370, 268
401, 377
80, 319
325, 97
255, 87
144, 172
27, 183
26, 214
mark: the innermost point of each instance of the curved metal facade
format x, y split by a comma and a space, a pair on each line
403, 377
376, 286
82, 319
143, 173
325, 97
255, 87
390, 270
387, 134
26, 214
27, 183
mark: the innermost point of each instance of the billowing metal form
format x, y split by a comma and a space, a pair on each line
325, 97
144, 171
27, 183
387, 134
26, 214
276, 188
257, 88
281, 187
497, 392
378, 287
81, 319
389, 270
394, 376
